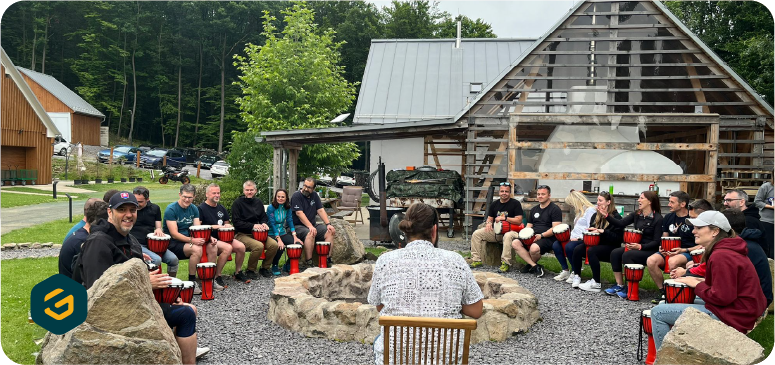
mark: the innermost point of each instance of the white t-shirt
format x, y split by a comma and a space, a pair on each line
582, 223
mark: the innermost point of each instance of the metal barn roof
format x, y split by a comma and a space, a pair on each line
62, 92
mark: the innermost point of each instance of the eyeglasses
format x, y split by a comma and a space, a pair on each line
305, 186
505, 183
731, 200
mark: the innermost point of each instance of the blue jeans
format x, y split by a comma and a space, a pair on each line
569, 248
169, 258
664, 315
560, 255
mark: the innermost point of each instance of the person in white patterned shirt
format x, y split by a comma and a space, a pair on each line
421, 280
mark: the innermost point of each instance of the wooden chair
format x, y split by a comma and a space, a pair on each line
430, 348
351, 201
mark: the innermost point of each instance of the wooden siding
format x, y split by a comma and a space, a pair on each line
85, 129
22, 128
13, 157
50, 102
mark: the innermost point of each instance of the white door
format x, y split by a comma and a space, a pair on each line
62, 121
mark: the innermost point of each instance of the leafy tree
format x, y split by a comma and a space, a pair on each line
413, 19
293, 81
468, 28
740, 32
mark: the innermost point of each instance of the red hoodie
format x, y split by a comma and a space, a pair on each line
731, 289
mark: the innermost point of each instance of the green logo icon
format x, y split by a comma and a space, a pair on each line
58, 304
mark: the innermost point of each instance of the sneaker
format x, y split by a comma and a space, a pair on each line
287, 266
526, 269
265, 273
614, 289
504, 267
202, 351
197, 291
564, 275
660, 297
538, 270
622, 293
569, 280
576, 281
304, 265
590, 285
240, 276
252, 275
475, 264
276, 270
218, 284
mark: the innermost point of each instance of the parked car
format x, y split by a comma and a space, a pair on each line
219, 169
155, 158
206, 160
121, 154
61, 147
340, 181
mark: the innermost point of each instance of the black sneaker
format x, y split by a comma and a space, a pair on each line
659, 297
240, 276
218, 284
265, 273
526, 269
538, 270
304, 265
252, 275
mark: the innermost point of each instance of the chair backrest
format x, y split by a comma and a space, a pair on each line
440, 344
351, 196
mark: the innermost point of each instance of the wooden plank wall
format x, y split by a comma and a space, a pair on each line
22, 128
13, 157
50, 103
86, 129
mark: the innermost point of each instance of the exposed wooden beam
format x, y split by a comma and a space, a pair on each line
609, 176
617, 146
615, 119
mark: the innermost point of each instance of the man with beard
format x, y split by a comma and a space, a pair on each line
214, 214
110, 243
93, 211
542, 218
249, 214
737, 200
306, 205
505, 209
149, 221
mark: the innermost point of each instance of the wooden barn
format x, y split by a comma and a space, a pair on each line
78, 120
28, 133
616, 93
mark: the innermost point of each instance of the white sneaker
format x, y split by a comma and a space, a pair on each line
590, 285
576, 281
570, 278
202, 351
562, 276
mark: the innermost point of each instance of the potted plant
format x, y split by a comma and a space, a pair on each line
98, 175
121, 168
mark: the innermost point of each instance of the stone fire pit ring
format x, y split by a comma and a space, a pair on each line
330, 303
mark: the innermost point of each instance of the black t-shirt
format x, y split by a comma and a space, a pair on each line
146, 222
676, 226
542, 218
510, 209
70, 248
216, 215
309, 206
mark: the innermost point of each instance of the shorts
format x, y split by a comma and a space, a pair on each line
302, 231
177, 248
686, 255
182, 317
545, 244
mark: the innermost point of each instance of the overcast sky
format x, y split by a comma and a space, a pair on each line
509, 19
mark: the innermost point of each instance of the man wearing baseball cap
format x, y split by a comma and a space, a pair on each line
110, 243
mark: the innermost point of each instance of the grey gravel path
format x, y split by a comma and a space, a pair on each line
21, 253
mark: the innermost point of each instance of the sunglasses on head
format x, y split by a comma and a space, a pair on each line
505, 183
542, 187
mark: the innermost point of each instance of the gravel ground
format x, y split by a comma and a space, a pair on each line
577, 327
21, 253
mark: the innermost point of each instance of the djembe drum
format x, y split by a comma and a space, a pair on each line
631, 236
156, 244
226, 234
697, 255
169, 294
634, 274
153, 268
261, 236
322, 249
187, 293
677, 292
645, 323
206, 273
562, 234
590, 239
668, 244
294, 254
527, 236
204, 232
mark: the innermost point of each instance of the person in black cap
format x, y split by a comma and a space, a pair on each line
109, 244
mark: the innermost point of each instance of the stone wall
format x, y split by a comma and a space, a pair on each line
301, 303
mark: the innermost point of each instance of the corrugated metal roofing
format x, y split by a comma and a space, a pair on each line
418, 79
61, 92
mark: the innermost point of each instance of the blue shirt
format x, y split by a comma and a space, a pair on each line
183, 217
76, 227
278, 218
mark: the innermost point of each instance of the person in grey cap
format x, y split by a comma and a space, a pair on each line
730, 291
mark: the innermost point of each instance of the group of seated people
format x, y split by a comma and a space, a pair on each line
115, 230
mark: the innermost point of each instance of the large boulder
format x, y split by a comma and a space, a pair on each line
124, 325
698, 339
347, 248
508, 308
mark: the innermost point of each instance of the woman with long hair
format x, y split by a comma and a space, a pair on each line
281, 226
730, 290
421, 280
583, 211
610, 239
647, 219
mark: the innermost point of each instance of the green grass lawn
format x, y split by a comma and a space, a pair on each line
53, 231
26, 189
10, 200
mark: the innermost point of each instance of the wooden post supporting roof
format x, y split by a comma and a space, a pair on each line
278, 178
